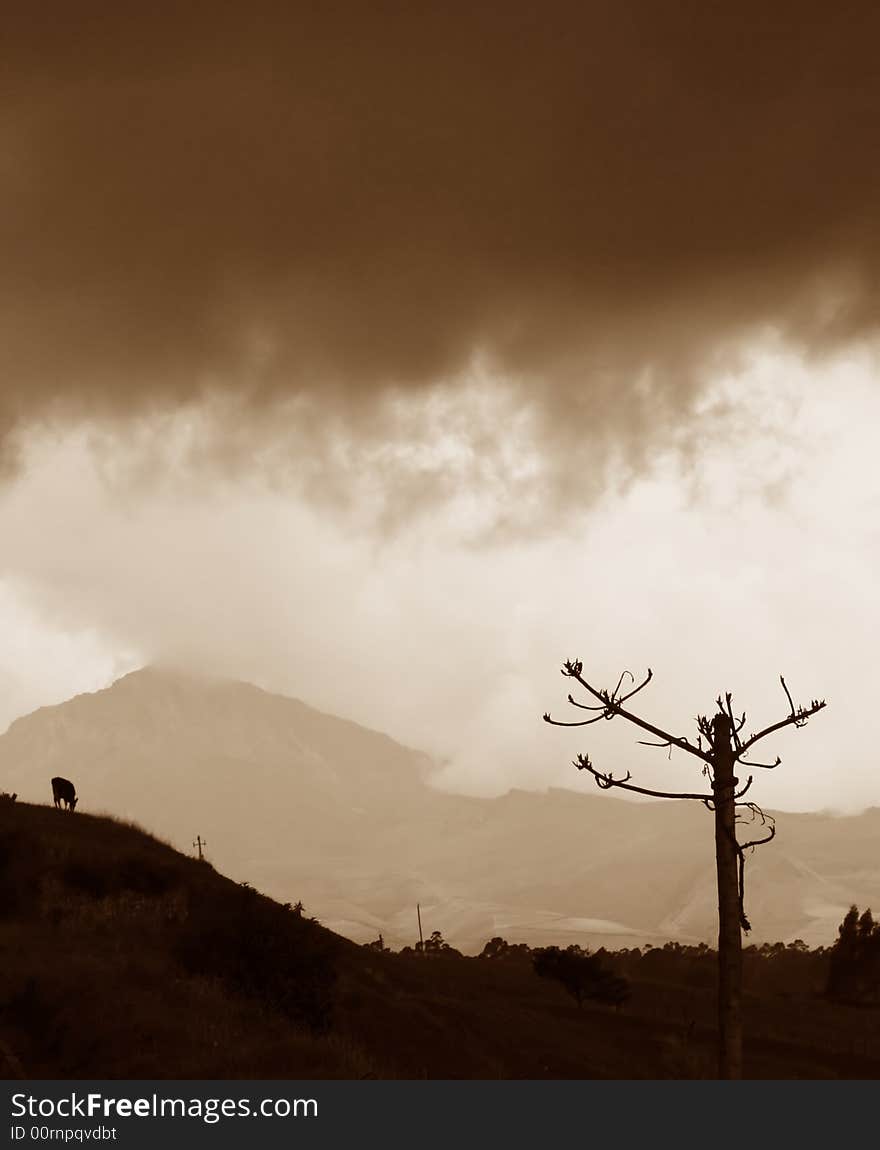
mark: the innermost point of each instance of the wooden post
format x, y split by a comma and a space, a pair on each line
421, 940
729, 910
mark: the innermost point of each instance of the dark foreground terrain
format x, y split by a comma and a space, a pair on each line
121, 958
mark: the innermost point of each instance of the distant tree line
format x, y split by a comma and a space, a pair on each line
848, 971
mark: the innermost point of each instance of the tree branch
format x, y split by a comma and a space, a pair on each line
797, 718
739, 794
620, 681
606, 781
635, 690
705, 729
766, 766
583, 706
734, 729
560, 723
573, 669
741, 849
766, 820
760, 842
787, 694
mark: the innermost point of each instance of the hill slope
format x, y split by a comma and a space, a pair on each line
306, 805
121, 958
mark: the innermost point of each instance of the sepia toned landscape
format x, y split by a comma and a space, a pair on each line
438, 541
211, 978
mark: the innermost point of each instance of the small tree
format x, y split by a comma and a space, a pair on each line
854, 969
496, 947
721, 749
582, 974
437, 944
500, 948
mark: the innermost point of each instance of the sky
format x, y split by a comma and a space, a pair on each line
389, 355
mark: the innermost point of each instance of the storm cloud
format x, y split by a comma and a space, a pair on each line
346, 205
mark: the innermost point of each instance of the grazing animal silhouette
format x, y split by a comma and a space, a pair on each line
63, 791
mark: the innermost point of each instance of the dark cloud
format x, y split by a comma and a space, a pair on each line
349, 198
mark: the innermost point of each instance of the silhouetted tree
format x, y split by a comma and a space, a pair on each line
498, 947
582, 974
720, 748
854, 968
436, 944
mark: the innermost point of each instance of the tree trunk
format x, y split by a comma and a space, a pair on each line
729, 921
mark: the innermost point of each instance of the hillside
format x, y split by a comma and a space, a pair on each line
307, 805
120, 958
116, 960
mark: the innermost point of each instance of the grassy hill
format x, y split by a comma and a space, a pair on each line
121, 958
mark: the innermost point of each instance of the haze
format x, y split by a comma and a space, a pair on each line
388, 360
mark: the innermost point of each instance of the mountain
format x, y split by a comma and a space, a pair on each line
305, 805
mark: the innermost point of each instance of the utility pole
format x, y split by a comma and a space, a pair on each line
421, 940
199, 842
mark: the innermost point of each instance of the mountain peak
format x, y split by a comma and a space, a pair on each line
174, 675
164, 727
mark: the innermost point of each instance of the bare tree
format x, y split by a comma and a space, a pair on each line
721, 747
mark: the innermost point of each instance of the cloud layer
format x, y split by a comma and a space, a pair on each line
349, 201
